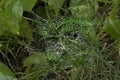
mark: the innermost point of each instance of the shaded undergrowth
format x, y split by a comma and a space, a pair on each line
74, 47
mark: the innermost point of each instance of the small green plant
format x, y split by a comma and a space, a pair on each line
11, 13
58, 46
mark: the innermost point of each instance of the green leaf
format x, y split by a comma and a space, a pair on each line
112, 26
15, 7
25, 30
55, 5
8, 22
38, 58
6, 77
3, 3
10, 14
28, 4
5, 71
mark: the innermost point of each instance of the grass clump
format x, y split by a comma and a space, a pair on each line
74, 47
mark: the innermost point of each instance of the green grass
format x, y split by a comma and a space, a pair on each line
70, 48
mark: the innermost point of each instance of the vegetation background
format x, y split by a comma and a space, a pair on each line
59, 39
